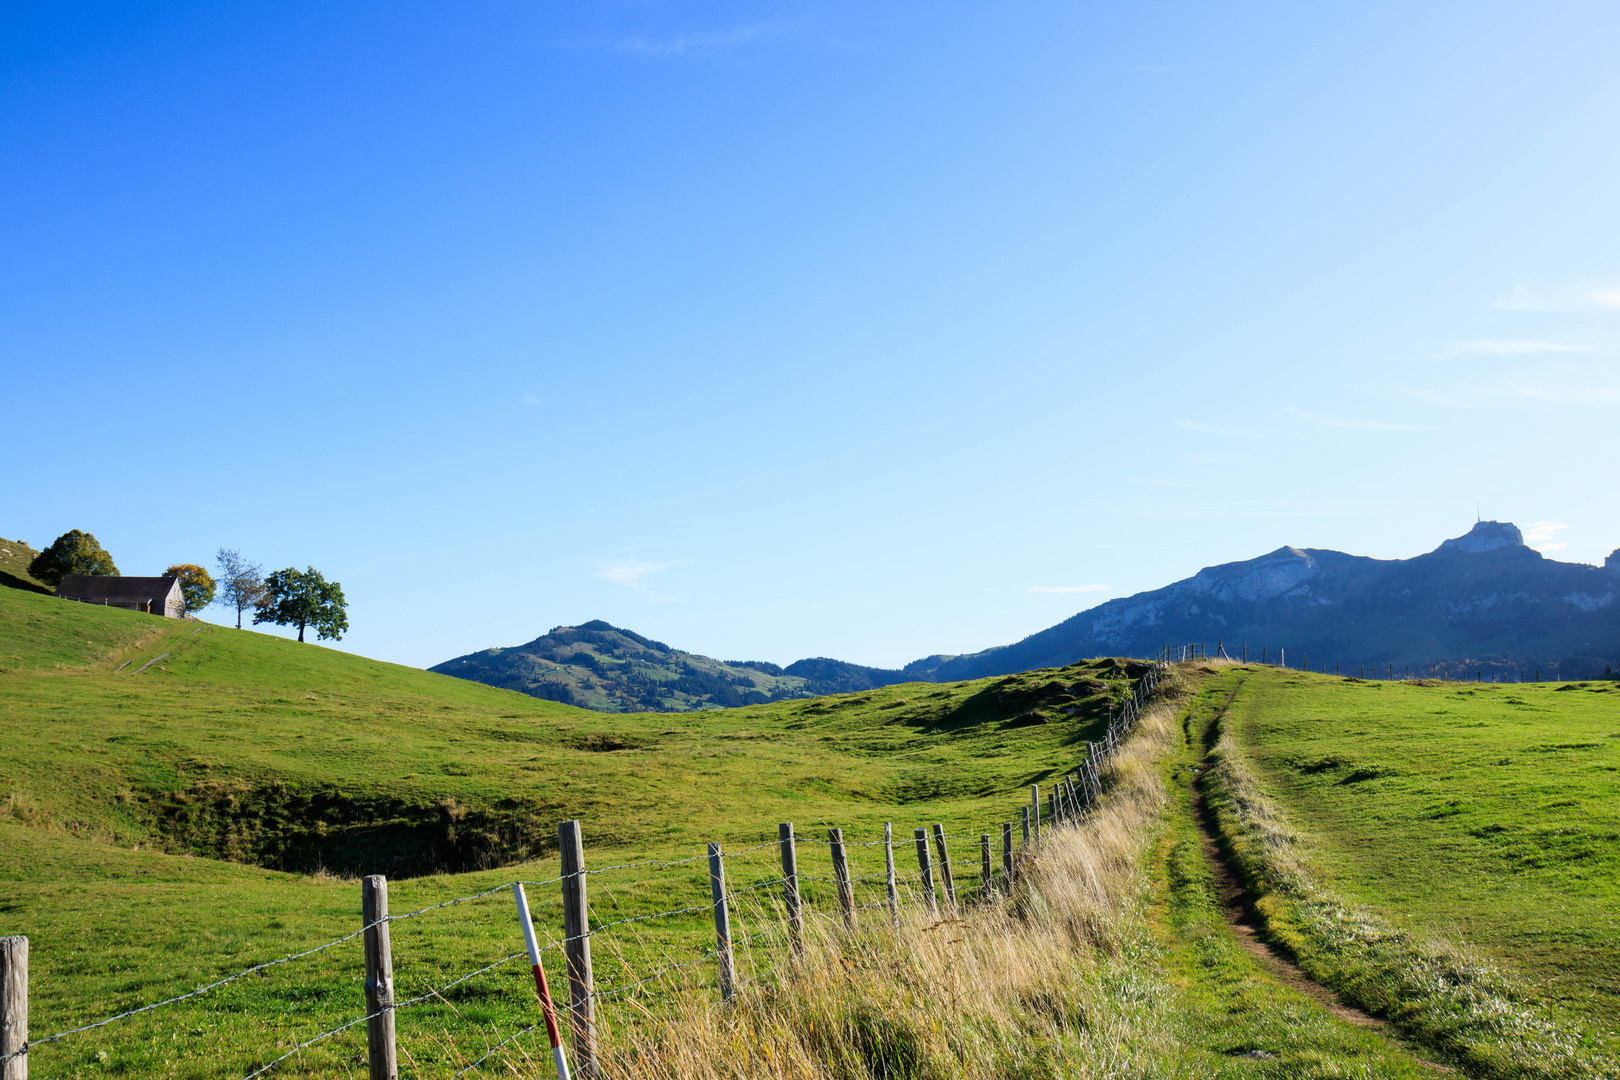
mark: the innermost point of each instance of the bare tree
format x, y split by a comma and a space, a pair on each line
241, 583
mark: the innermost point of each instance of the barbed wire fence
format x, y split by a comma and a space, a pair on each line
1068, 802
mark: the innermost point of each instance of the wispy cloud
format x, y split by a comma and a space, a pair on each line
1358, 425
1551, 388
704, 43
1591, 294
531, 400
629, 574
1488, 347
1069, 588
1225, 431
1540, 535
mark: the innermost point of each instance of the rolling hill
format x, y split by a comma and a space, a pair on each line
599, 666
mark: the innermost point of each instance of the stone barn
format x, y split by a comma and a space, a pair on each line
153, 595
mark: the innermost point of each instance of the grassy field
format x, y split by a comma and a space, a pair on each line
1440, 854
260, 750
1486, 813
180, 800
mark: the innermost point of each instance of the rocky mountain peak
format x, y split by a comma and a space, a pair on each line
1485, 536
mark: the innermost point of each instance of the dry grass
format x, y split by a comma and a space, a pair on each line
1046, 981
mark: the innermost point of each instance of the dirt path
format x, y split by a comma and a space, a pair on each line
1237, 903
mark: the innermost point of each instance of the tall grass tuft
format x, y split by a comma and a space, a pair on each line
1045, 980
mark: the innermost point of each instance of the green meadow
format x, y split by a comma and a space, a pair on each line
180, 801
145, 763
1488, 815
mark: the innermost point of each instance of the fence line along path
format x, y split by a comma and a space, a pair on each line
1069, 801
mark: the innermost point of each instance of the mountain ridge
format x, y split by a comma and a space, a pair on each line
1482, 602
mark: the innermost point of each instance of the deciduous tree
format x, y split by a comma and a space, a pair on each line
196, 584
241, 582
73, 552
304, 598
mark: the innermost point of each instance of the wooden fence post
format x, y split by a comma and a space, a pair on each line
927, 871
14, 1008
888, 873
846, 889
1023, 818
577, 947
986, 871
722, 921
790, 887
946, 879
1035, 809
1006, 856
379, 979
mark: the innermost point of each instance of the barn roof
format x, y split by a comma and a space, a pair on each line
117, 590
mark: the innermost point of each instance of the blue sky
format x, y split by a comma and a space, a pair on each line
779, 330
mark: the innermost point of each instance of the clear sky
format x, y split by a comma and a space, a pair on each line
868, 330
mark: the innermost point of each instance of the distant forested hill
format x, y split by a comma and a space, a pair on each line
604, 667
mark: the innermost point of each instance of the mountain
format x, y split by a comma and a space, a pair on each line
1480, 601
604, 667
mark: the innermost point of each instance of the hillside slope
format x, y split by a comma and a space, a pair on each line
609, 669
250, 747
15, 555
1483, 601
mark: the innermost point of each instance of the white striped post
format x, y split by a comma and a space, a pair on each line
547, 1009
